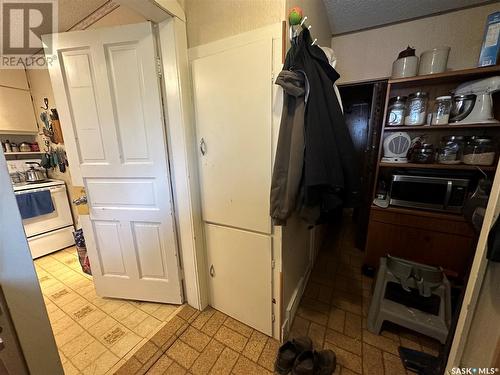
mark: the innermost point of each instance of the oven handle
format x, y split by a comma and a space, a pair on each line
52, 189
449, 188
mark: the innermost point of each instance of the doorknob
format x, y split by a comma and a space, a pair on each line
212, 271
80, 200
203, 146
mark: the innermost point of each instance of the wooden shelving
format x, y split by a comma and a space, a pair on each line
441, 127
423, 213
464, 167
450, 76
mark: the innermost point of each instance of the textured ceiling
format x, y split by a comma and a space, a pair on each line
352, 15
73, 11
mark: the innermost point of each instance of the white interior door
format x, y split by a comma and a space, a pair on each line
232, 95
107, 92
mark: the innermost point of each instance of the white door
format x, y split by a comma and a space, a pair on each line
233, 99
240, 275
107, 92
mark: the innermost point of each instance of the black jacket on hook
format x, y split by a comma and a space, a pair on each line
331, 178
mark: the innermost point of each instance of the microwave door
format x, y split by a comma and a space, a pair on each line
423, 193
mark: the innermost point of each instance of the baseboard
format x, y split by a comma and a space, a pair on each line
294, 303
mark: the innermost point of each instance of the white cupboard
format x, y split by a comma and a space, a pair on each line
236, 124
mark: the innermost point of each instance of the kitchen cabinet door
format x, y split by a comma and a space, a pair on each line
240, 281
15, 78
232, 96
16, 112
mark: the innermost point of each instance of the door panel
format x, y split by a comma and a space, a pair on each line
234, 120
240, 282
107, 91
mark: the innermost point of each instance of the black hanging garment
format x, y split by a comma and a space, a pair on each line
493, 252
330, 176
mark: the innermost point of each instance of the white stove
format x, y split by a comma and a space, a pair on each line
50, 232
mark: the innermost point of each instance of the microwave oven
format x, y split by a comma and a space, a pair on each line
446, 194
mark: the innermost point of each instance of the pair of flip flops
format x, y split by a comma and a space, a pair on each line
298, 357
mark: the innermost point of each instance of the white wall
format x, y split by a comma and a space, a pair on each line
368, 55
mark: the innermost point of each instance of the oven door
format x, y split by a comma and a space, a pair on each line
419, 192
60, 218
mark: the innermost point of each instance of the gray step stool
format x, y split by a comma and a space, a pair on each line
428, 281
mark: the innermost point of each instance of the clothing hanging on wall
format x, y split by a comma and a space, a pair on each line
332, 59
330, 178
287, 171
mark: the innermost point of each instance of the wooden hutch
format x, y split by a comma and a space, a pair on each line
434, 238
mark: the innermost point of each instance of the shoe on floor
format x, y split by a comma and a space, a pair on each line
304, 364
325, 362
288, 353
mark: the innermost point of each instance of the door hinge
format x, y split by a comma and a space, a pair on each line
273, 264
273, 317
272, 77
159, 69
181, 274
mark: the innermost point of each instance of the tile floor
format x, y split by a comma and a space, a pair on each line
333, 313
92, 333
199, 343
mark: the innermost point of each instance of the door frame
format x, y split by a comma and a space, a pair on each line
476, 279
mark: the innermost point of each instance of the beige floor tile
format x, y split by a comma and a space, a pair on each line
207, 359
393, 364
130, 367
230, 338
160, 367
186, 312
343, 341
176, 369
146, 351
195, 338
353, 325
225, 362
380, 342
125, 343
70, 369
68, 334
110, 305
101, 328
373, 363
313, 315
76, 344
244, 366
300, 327
204, 316
88, 355
102, 364
317, 334
183, 354
345, 358
213, 324
239, 327
163, 312
255, 346
268, 355
147, 326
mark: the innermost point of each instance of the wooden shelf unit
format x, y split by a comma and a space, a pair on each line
426, 128
464, 167
23, 153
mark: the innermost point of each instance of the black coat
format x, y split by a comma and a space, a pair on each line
331, 177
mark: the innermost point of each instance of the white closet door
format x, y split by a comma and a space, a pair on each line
240, 275
232, 95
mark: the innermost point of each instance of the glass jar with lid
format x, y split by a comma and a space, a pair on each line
480, 150
396, 111
416, 109
422, 153
441, 110
451, 149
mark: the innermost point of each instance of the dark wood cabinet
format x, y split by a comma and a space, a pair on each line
425, 237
